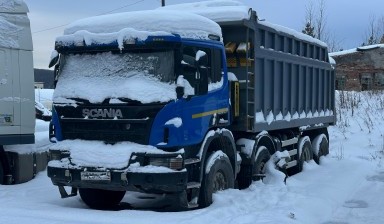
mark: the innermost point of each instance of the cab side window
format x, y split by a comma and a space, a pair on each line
214, 65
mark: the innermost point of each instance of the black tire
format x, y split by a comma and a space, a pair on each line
101, 199
1, 174
256, 170
219, 177
322, 143
306, 154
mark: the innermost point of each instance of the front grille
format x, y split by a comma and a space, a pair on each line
134, 126
110, 131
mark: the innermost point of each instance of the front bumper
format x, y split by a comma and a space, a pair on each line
123, 180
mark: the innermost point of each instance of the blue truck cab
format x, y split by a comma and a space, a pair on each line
176, 124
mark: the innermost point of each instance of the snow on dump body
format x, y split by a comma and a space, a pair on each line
227, 10
294, 33
218, 10
187, 25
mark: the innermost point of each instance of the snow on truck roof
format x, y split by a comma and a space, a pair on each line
194, 20
15, 32
216, 10
13, 6
140, 24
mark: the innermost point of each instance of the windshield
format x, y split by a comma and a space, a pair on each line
143, 76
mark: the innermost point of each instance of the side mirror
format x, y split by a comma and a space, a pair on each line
179, 92
202, 63
54, 59
180, 89
201, 58
189, 60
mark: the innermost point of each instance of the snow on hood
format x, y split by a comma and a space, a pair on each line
217, 10
187, 25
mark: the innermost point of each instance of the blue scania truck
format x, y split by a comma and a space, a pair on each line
237, 91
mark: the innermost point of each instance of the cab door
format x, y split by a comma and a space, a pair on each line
208, 104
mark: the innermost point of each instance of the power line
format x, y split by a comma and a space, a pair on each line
55, 27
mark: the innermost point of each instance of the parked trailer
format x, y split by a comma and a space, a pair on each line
244, 90
17, 109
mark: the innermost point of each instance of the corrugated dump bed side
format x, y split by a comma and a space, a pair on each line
294, 81
286, 80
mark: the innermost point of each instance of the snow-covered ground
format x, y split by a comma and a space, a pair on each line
346, 188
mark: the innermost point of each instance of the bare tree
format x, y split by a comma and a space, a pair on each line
309, 28
381, 29
316, 18
321, 21
375, 30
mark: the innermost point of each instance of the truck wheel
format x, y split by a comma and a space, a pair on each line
1, 174
256, 171
306, 153
219, 177
320, 147
101, 199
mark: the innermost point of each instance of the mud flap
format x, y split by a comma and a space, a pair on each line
64, 193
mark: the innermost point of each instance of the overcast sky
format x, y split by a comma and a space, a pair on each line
347, 20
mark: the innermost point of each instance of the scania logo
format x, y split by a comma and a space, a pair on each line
102, 113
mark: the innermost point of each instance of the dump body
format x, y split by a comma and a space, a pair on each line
286, 80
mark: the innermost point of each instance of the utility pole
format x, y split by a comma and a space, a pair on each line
162, 3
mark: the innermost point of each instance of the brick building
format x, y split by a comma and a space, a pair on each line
361, 68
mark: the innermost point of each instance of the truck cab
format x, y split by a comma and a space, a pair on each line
165, 90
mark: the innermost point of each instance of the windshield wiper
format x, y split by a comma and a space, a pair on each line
78, 100
122, 100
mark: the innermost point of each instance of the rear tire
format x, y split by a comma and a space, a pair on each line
305, 156
320, 147
219, 177
101, 199
254, 172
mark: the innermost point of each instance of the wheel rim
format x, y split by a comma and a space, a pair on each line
260, 172
306, 156
219, 181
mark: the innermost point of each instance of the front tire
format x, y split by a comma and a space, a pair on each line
101, 199
219, 177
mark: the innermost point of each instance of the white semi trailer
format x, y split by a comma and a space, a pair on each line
17, 104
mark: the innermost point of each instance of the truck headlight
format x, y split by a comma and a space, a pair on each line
175, 163
57, 154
